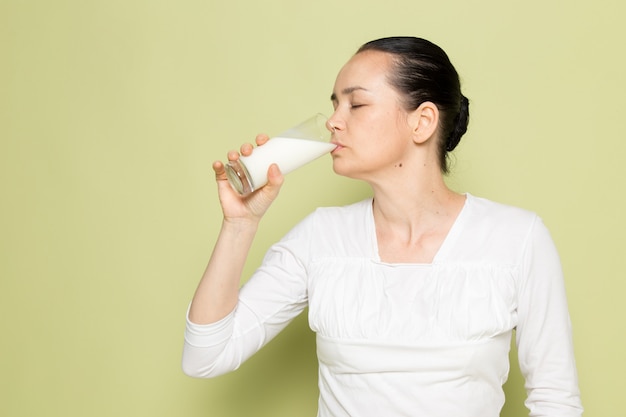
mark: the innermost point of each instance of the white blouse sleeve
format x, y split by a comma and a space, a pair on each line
268, 302
544, 335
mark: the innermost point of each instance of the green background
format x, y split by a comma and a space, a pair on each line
111, 113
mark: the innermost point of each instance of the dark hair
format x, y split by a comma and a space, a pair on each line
423, 72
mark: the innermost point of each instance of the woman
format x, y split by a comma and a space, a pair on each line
413, 293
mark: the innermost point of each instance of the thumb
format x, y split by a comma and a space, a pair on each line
274, 176
269, 191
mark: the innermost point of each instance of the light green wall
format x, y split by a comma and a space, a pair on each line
112, 111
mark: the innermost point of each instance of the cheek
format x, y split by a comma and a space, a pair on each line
384, 126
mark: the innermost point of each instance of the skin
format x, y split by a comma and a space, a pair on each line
395, 151
379, 142
218, 290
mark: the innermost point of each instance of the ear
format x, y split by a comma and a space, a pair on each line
424, 122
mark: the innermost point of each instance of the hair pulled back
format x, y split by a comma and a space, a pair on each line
423, 72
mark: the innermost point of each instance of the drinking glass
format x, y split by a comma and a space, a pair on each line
290, 150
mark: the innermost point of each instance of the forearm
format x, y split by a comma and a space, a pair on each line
271, 298
217, 293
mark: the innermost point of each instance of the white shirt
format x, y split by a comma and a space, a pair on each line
410, 339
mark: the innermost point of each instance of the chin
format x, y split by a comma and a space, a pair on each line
338, 167
345, 170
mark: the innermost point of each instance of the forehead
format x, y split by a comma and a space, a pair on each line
367, 69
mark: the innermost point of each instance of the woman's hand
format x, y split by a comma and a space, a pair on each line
252, 207
218, 290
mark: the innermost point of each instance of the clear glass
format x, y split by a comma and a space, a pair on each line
289, 150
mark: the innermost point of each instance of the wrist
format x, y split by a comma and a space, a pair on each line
239, 225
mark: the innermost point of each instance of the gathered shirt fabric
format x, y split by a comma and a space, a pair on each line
404, 339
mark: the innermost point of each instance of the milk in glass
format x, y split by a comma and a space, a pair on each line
289, 154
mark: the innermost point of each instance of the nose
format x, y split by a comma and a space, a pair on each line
330, 126
334, 123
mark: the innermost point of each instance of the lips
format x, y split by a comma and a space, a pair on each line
338, 146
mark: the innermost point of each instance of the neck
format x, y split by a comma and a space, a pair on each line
414, 203
412, 223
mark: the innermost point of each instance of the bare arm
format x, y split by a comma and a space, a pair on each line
217, 293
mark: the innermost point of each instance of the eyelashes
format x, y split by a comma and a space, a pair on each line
351, 106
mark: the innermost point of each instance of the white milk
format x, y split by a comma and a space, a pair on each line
287, 153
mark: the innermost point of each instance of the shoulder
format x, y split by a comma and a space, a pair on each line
328, 218
493, 232
344, 214
488, 213
332, 228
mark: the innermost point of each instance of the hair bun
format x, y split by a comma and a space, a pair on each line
460, 125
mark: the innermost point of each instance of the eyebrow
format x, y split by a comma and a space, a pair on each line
346, 91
